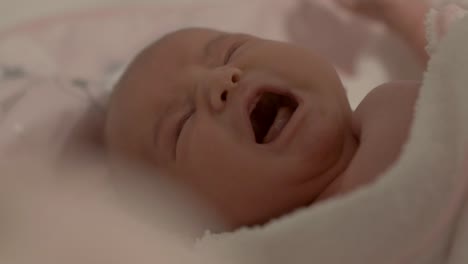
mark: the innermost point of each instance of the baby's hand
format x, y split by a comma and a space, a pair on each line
441, 20
394, 13
378, 10
404, 17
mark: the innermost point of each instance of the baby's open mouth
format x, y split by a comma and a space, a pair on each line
270, 115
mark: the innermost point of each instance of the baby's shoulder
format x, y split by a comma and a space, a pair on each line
390, 106
382, 123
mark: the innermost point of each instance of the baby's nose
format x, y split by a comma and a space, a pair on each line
222, 83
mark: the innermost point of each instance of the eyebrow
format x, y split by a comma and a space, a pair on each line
212, 43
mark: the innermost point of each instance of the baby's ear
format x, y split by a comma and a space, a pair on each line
440, 20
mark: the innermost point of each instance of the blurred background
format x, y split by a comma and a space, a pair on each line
17, 11
364, 54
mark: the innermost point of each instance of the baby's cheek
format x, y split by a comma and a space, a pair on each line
199, 149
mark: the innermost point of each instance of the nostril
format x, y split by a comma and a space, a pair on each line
235, 78
224, 96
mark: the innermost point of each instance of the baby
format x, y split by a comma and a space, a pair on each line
258, 128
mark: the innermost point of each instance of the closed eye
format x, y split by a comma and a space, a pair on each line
180, 127
232, 49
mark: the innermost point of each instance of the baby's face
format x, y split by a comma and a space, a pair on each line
255, 127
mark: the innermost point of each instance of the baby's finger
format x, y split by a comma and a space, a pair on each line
348, 4
368, 8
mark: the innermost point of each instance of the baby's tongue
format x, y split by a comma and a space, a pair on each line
281, 119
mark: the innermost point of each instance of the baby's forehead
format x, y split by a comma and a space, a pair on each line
179, 47
168, 56
152, 73
155, 71
193, 37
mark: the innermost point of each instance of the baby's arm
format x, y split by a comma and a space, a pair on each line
408, 21
405, 18
382, 121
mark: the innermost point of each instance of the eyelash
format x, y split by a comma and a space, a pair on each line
180, 126
232, 50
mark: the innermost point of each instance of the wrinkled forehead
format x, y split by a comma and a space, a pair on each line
170, 54
183, 42
190, 34
163, 59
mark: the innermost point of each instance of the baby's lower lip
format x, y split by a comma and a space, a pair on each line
288, 132
270, 113
281, 121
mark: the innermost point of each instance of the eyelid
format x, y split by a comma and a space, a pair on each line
181, 123
180, 126
232, 49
